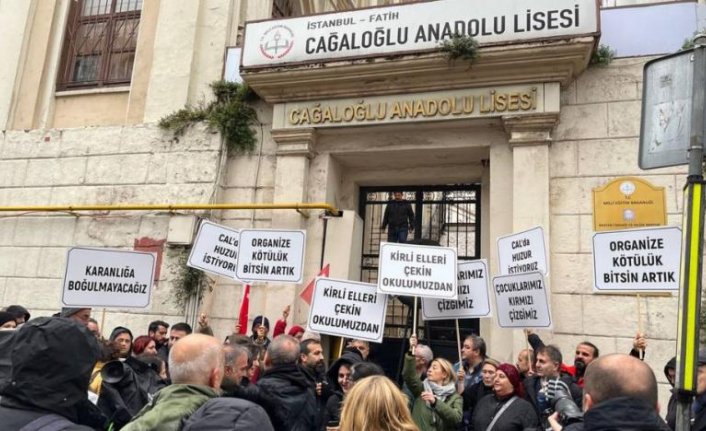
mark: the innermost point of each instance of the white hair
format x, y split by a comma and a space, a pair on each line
196, 370
425, 351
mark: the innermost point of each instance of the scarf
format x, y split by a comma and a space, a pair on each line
440, 391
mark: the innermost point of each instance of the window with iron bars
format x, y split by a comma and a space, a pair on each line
282, 9
100, 43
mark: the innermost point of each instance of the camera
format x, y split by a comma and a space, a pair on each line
562, 403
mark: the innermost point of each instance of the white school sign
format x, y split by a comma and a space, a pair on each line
417, 270
215, 250
108, 278
638, 260
473, 300
522, 301
347, 309
410, 28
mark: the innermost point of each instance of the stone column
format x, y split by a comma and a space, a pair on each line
295, 149
529, 138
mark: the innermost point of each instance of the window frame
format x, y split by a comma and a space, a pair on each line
69, 52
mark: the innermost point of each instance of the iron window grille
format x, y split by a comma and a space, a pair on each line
100, 43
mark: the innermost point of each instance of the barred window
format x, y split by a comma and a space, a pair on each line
282, 9
100, 42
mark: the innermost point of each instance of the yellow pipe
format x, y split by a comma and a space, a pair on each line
165, 207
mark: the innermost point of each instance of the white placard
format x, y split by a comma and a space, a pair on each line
414, 27
473, 300
417, 270
347, 309
523, 252
271, 255
215, 250
522, 301
637, 260
98, 277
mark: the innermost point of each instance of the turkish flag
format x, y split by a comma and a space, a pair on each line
244, 306
308, 291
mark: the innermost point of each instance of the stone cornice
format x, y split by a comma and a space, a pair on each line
295, 142
548, 61
526, 130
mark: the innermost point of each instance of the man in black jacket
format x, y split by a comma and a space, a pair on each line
539, 386
620, 393
398, 218
52, 361
288, 387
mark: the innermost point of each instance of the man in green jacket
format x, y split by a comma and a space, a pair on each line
196, 369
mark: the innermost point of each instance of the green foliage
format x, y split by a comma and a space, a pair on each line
229, 113
603, 56
188, 280
460, 46
689, 43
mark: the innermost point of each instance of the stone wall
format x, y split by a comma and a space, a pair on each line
95, 165
597, 140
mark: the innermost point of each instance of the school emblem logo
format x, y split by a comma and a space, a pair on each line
277, 42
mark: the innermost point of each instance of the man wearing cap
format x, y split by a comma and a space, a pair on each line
52, 362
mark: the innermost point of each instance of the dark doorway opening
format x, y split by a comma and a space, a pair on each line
447, 215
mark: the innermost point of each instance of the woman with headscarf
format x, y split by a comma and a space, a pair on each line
339, 377
436, 404
506, 409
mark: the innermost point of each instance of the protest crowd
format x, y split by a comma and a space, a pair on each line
59, 373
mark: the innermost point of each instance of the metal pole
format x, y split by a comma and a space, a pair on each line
299, 206
689, 299
691, 257
323, 243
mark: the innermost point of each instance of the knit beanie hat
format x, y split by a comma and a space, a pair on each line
514, 376
6, 317
294, 330
17, 311
260, 320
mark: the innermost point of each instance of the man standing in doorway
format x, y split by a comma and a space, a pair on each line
398, 219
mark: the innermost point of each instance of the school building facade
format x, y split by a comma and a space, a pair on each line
518, 138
